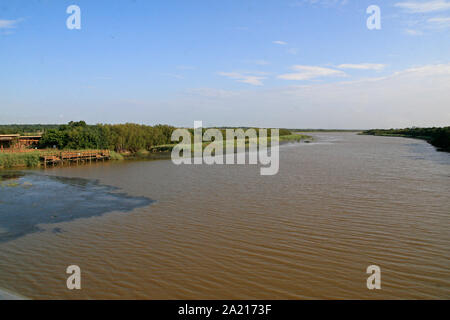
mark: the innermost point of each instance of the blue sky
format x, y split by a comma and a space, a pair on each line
298, 63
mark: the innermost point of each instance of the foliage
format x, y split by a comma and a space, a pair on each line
438, 137
115, 156
119, 137
26, 129
126, 137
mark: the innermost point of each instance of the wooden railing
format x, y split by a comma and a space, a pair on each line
62, 157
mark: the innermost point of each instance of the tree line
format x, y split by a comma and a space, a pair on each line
438, 137
119, 137
25, 129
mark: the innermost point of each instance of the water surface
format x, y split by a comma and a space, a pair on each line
225, 232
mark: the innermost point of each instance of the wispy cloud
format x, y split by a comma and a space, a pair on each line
413, 32
311, 72
440, 22
253, 78
281, 43
422, 17
363, 66
409, 98
424, 7
9, 24
426, 70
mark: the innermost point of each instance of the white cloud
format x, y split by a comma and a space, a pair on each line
311, 72
424, 7
363, 66
427, 70
412, 32
281, 43
440, 22
9, 24
253, 78
417, 96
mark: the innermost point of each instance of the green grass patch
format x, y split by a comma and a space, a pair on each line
11, 160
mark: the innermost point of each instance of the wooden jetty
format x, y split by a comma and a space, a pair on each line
77, 157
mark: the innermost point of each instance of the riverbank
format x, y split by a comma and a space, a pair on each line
34, 158
438, 137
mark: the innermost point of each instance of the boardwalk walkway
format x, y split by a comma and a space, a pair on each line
62, 157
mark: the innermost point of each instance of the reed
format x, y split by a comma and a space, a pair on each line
27, 159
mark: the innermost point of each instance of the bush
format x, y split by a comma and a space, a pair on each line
115, 156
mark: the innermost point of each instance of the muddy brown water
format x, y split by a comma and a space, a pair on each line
225, 232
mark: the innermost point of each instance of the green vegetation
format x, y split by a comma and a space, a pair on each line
124, 140
438, 137
115, 156
295, 137
26, 129
120, 137
27, 159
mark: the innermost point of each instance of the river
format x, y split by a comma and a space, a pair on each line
153, 230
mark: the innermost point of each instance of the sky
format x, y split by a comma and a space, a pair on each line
264, 63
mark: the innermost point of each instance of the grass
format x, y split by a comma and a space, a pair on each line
11, 160
295, 138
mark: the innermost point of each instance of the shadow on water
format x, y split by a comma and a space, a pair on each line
10, 175
27, 200
425, 151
